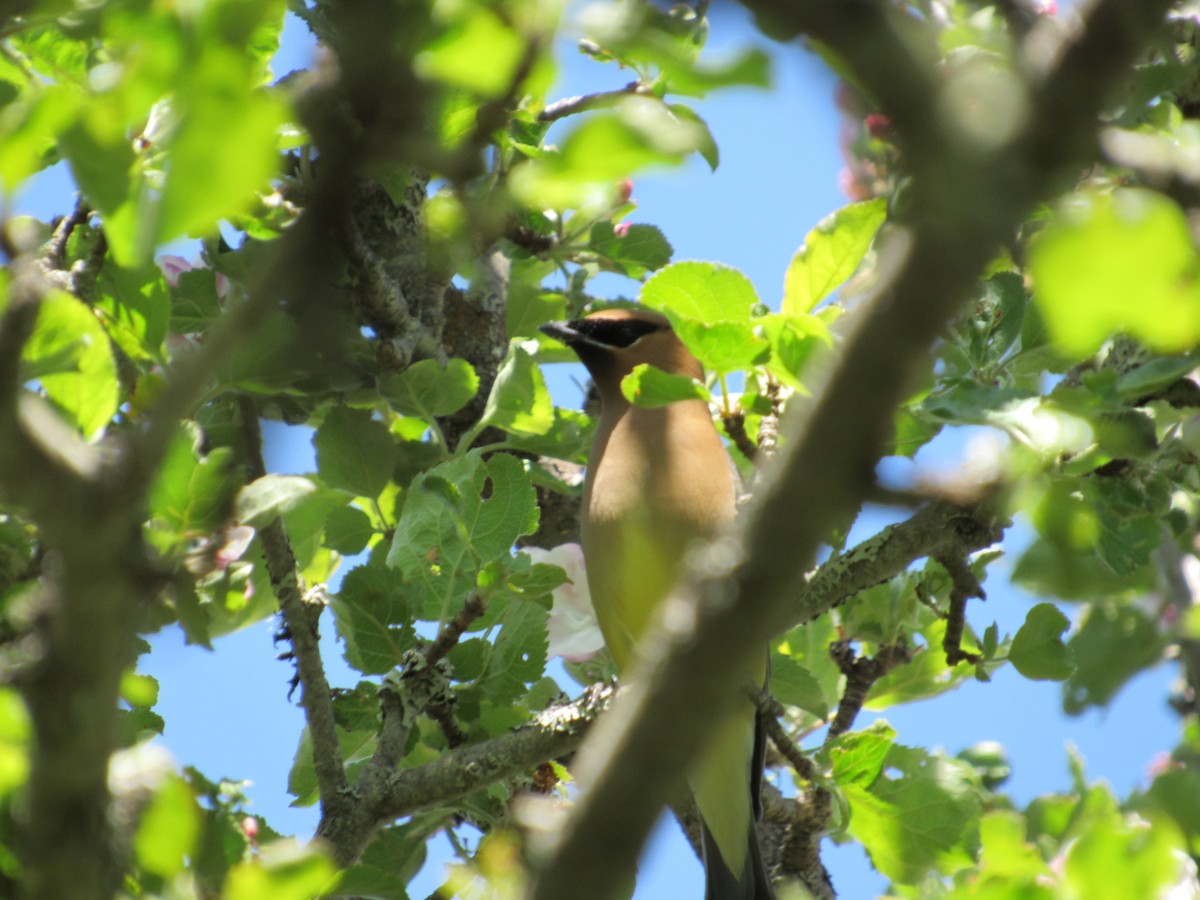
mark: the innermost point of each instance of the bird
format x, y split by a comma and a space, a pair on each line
659, 480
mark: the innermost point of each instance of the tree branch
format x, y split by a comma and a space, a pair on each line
300, 618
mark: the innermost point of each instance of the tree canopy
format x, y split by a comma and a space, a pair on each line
379, 237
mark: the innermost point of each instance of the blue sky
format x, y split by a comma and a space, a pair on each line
226, 712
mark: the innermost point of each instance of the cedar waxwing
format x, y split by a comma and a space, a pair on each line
658, 480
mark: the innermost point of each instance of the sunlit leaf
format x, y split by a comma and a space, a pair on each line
830, 254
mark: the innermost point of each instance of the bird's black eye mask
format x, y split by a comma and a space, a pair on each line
614, 332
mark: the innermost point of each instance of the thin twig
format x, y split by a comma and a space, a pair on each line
964, 586
570, 106
735, 427
769, 710
474, 607
861, 674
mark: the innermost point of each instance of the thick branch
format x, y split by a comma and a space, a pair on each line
386, 794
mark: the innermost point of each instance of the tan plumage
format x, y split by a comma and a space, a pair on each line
657, 481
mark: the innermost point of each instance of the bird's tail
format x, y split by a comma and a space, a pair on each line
720, 883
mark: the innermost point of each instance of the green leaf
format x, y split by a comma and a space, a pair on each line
1118, 857
1008, 862
1114, 643
750, 68
519, 401
921, 815
705, 143
1176, 792
168, 829
857, 757
607, 147
479, 53
459, 517
136, 305
926, 675
427, 389
529, 306
281, 871
192, 494
391, 860
195, 304
69, 354
1154, 375
211, 179
101, 162
650, 387
348, 530
373, 618
830, 254
722, 347
1001, 315
793, 340
1038, 651
29, 132
706, 291
793, 684
518, 656
1104, 249
271, 496
15, 730
636, 250
355, 452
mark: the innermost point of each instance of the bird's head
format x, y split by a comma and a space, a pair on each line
611, 342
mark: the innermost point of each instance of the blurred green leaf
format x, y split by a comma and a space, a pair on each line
794, 340
15, 731
479, 52
29, 132
355, 452
1115, 642
70, 356
830, 254
1176, 792
1114, 856
1037, 650
281, 871
192, 494
1104, 249
136, 305
266, 498
168, 828
650, 387
390, 862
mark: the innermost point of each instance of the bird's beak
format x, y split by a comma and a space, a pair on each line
562, 331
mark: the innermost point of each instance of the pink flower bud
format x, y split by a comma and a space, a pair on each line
879, 126
621, 229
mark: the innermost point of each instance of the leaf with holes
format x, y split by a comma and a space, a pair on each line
460, 516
